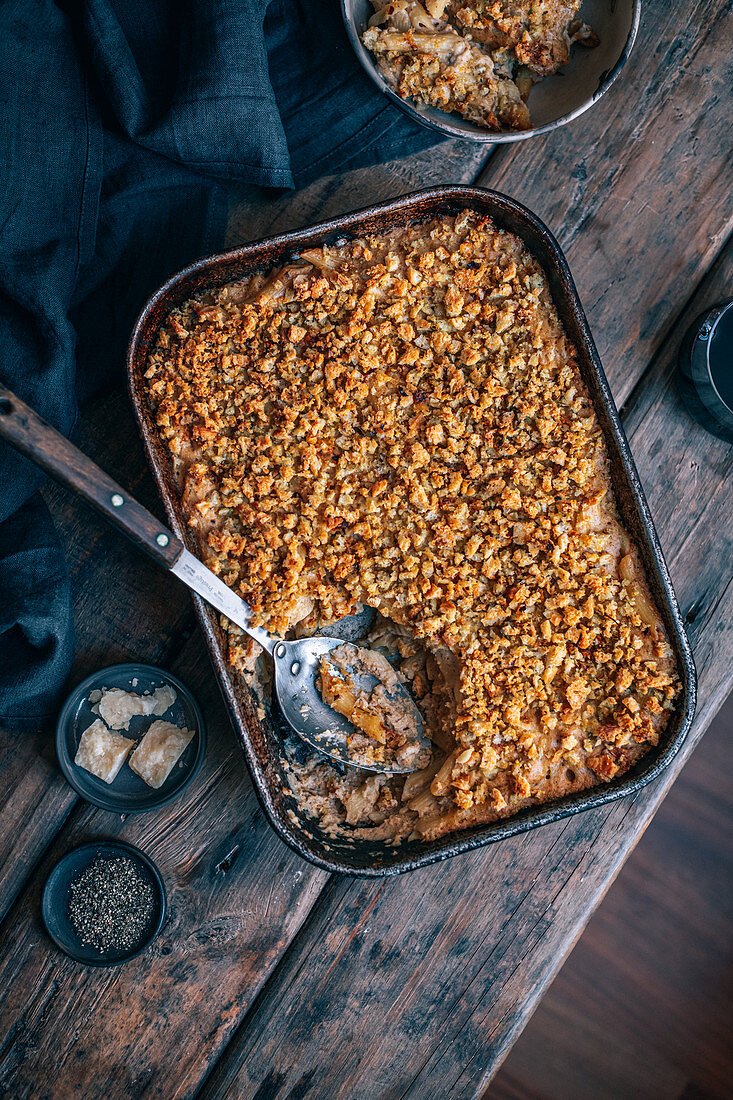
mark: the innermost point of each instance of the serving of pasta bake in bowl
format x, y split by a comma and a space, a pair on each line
394, 428
492, 70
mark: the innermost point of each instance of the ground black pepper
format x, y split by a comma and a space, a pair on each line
110, 904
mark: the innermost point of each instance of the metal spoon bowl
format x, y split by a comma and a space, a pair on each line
296, 670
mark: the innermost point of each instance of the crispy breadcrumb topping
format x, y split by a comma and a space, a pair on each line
479, 58
399, 421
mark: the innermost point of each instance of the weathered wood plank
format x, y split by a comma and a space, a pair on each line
642, 1007
639, 190
236, 895
418, 987
451, 162
320, 1009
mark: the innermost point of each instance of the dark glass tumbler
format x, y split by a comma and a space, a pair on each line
706, 370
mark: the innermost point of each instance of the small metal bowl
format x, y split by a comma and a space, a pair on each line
707, 345
55, 902
554, 101
128, 793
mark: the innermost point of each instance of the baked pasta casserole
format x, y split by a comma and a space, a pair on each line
477, 57
398, 422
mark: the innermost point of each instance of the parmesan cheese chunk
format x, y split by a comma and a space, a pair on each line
102, 752
158, 751
117, 707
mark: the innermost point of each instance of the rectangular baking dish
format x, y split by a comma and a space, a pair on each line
261, 740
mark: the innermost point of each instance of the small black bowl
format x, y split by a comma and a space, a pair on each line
127, 793
706, 370
55, 901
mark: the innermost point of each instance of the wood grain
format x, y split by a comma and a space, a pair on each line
642, 1007
447, 997
446, 1000
639, 190
414, 987
236, 897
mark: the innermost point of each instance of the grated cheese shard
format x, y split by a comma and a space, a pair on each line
158, 752
101, 751
117, 707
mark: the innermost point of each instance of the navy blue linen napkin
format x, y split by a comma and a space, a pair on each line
124, 125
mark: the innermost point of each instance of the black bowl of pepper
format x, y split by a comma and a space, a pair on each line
104, 903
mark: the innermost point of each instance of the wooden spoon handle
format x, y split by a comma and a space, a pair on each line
42, 444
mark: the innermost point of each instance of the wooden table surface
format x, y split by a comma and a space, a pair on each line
272, 979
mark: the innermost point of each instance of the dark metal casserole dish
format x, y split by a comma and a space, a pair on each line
261, 740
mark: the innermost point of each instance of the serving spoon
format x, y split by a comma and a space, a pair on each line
296, 663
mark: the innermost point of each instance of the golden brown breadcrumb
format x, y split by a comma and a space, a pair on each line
539, 34
478, 58
399, 421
